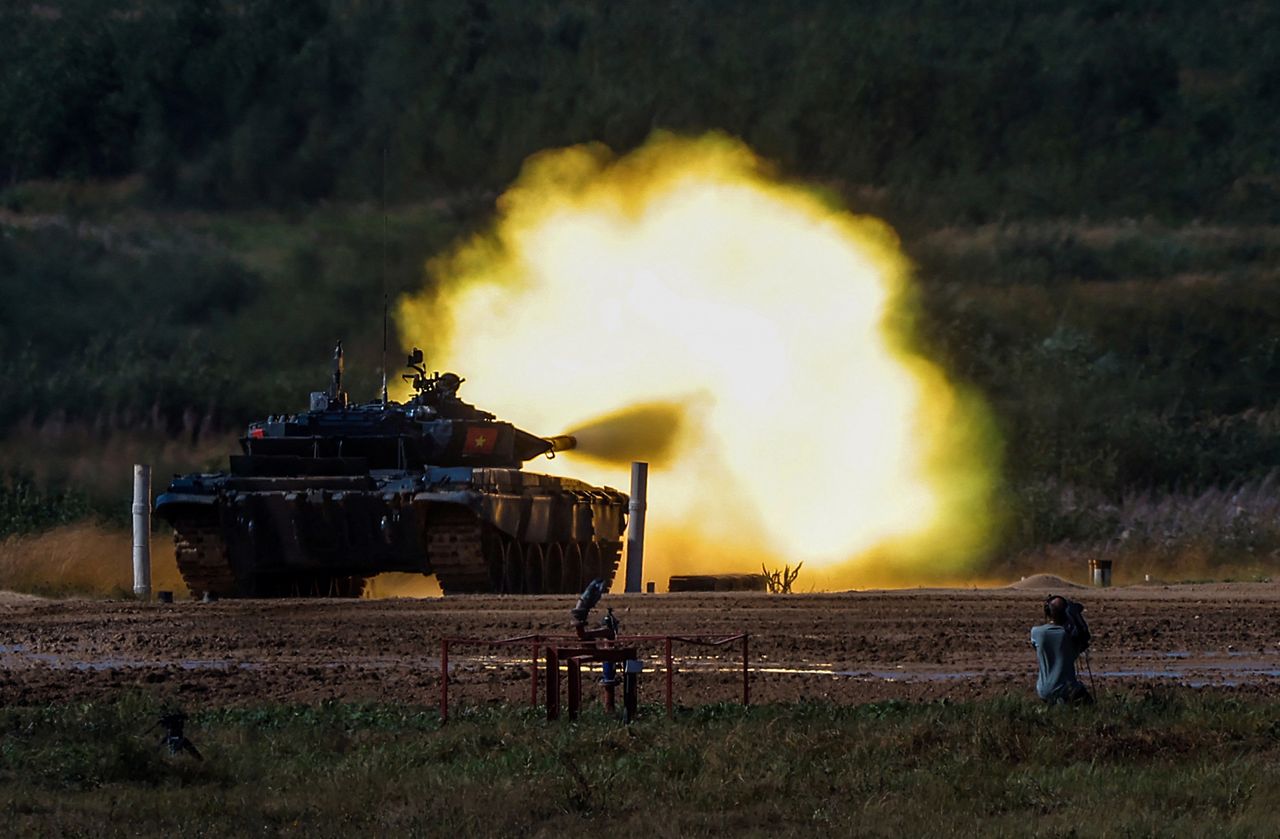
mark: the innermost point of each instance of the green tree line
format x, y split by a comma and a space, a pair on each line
977, 110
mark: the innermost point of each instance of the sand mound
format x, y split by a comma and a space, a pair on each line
1044, 582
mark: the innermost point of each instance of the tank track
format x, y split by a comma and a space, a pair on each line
456, 544
469, 556
202, 559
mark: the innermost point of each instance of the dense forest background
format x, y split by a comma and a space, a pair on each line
191, 202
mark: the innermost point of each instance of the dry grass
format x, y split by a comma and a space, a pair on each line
86, 558
1222, 533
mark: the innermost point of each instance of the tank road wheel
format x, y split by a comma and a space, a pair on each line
202, 558
493, 546
532, 557
302, 585
591, 562
309, 585
553, 570
600, 561
506, 561
610, 556
512, 567
345, 587
575, 578
283, 586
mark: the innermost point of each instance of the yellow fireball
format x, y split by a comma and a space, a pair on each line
755, 321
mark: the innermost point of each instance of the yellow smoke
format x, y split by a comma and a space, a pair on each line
650, 432
766, 319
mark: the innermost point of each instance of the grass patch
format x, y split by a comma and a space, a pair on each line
1168, 763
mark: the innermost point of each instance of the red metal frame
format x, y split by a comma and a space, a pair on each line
575, 657
572, 651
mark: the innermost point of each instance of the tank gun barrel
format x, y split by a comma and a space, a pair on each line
562, 442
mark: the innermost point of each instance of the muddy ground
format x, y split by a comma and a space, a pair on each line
849, 647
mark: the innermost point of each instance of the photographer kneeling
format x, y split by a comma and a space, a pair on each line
1058, 644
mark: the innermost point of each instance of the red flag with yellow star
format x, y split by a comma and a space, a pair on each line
480, 440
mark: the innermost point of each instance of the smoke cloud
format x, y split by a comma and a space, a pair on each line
610, 288
649, 431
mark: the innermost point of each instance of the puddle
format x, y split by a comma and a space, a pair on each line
1224, 669
865, 675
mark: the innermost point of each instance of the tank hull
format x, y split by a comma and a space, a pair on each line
476, 529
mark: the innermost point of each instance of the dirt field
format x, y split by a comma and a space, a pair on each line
850, 647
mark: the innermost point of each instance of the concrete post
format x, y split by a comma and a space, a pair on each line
635, 527
142, 531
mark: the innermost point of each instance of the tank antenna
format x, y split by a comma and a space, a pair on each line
384, 349
384, 276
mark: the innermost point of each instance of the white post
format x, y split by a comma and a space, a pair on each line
142, 531
635, 528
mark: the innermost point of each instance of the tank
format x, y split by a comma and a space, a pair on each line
318, 502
